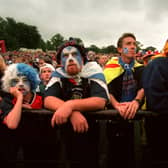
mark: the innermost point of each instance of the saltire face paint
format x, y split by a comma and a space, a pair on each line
125, 50
71, 53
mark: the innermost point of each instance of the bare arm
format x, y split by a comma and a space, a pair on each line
87, 104
140, 94
53, 103
113, 101
133, 106
13, 118
65, 110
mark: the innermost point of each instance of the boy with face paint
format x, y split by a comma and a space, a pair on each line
19, 81
74, 88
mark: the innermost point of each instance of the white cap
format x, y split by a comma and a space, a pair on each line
46, 65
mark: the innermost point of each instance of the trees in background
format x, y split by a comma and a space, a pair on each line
20, 35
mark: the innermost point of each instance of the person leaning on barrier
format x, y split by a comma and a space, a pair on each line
123, 76
19, 82
74, 88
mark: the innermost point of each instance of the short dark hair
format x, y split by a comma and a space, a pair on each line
120, 40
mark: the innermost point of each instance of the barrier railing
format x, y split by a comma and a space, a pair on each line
35, 129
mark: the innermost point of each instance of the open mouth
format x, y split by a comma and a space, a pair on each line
21, 89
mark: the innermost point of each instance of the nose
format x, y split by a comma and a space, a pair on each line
70, 60
21, 85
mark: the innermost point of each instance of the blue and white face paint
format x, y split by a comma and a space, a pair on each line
71, 54
16, 73
125, 50
22, 83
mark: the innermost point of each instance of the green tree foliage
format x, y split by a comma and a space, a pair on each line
139, 45
94, 48
17, 35
109, 49
55, 42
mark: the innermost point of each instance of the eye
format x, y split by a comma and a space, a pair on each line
15, 80
25, 79
65, 55
74, 54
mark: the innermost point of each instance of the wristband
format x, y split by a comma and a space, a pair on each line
139, 101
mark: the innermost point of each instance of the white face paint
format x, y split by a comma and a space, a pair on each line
22, 83
71, 55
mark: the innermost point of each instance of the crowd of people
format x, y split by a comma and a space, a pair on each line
72, 81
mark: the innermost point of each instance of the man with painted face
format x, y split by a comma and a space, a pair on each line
74, 88
19, 81
123, 77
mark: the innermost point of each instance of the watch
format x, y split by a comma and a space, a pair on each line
139, 101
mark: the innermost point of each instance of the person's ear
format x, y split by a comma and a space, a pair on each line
119, 50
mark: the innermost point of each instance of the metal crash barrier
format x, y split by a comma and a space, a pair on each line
35, 143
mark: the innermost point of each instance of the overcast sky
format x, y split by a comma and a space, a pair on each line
99, 22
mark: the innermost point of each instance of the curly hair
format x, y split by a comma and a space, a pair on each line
13, 70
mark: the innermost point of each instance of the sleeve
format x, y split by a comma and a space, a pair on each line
6, 106
99, 89
155, 83
53, 90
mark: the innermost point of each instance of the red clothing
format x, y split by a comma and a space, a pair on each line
36, 102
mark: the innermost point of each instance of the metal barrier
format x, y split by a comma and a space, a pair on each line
36, 143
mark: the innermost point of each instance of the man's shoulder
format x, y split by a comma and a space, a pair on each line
158, 64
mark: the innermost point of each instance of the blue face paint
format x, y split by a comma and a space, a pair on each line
71, 53
125, 50
22, 83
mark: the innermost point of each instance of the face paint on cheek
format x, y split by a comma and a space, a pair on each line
63, 60
125, 50
14, 82
27, 87
75, 61
79, 58
22, 83
71, 54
